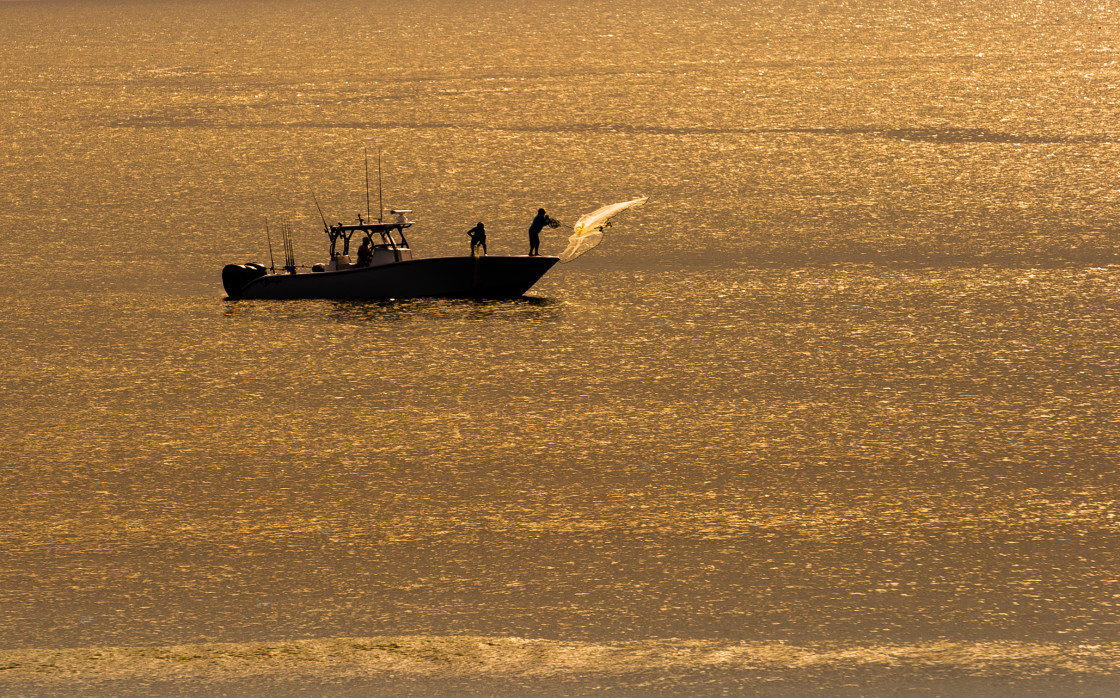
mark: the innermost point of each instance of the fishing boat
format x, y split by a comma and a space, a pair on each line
386, 269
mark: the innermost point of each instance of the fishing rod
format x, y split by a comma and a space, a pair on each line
289, 251
316, 200
380, 203
326, 228
271, 260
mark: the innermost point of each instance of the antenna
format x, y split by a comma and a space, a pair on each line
366, 152
380, 205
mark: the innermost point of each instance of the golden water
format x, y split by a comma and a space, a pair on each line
850, 377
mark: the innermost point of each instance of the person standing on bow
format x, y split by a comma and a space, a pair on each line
478, 238
539, 222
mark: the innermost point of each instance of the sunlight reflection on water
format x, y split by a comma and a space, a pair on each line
850, 376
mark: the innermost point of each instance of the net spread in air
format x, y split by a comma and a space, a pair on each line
589, 228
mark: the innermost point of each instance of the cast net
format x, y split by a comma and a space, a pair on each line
589, 228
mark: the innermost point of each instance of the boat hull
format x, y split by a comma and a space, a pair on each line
450, 277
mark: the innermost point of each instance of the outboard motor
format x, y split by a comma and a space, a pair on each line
236, 277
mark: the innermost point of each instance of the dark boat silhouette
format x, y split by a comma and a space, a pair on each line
389, 271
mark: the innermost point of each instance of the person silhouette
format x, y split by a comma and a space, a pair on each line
365, 253
478, 238
539, 222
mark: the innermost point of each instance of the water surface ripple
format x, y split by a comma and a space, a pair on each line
845, 388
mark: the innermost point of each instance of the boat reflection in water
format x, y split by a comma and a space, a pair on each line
386, 269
